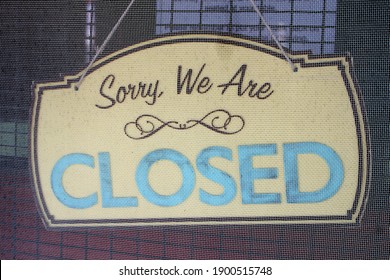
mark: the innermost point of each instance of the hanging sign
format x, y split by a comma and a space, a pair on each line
201, 129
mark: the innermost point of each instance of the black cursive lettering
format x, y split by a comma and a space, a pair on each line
203, 85
112, 78
239, 83
148, 91
253, 89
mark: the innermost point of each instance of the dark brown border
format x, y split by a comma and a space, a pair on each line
223, 39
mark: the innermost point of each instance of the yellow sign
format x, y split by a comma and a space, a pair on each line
201, 129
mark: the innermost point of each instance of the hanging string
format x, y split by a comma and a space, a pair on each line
293, 67
100, 50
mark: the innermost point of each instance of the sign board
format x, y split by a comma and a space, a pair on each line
201, 129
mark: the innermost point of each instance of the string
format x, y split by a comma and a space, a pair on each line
293, 67
100, 50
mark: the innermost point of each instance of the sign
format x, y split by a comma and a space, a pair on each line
201, 129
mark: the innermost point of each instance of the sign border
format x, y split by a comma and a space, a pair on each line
303, 59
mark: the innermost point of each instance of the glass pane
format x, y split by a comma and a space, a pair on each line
310, 20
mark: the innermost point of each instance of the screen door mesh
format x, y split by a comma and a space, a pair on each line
50, 39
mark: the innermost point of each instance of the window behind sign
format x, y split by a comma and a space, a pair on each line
298, 24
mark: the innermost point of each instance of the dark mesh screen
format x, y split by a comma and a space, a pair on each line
43, 40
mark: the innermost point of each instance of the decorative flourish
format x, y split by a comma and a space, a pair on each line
220, 121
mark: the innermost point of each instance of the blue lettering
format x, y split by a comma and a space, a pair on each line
147, 191
56, 181
108, 201
248, 174
291, 152
216, 175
